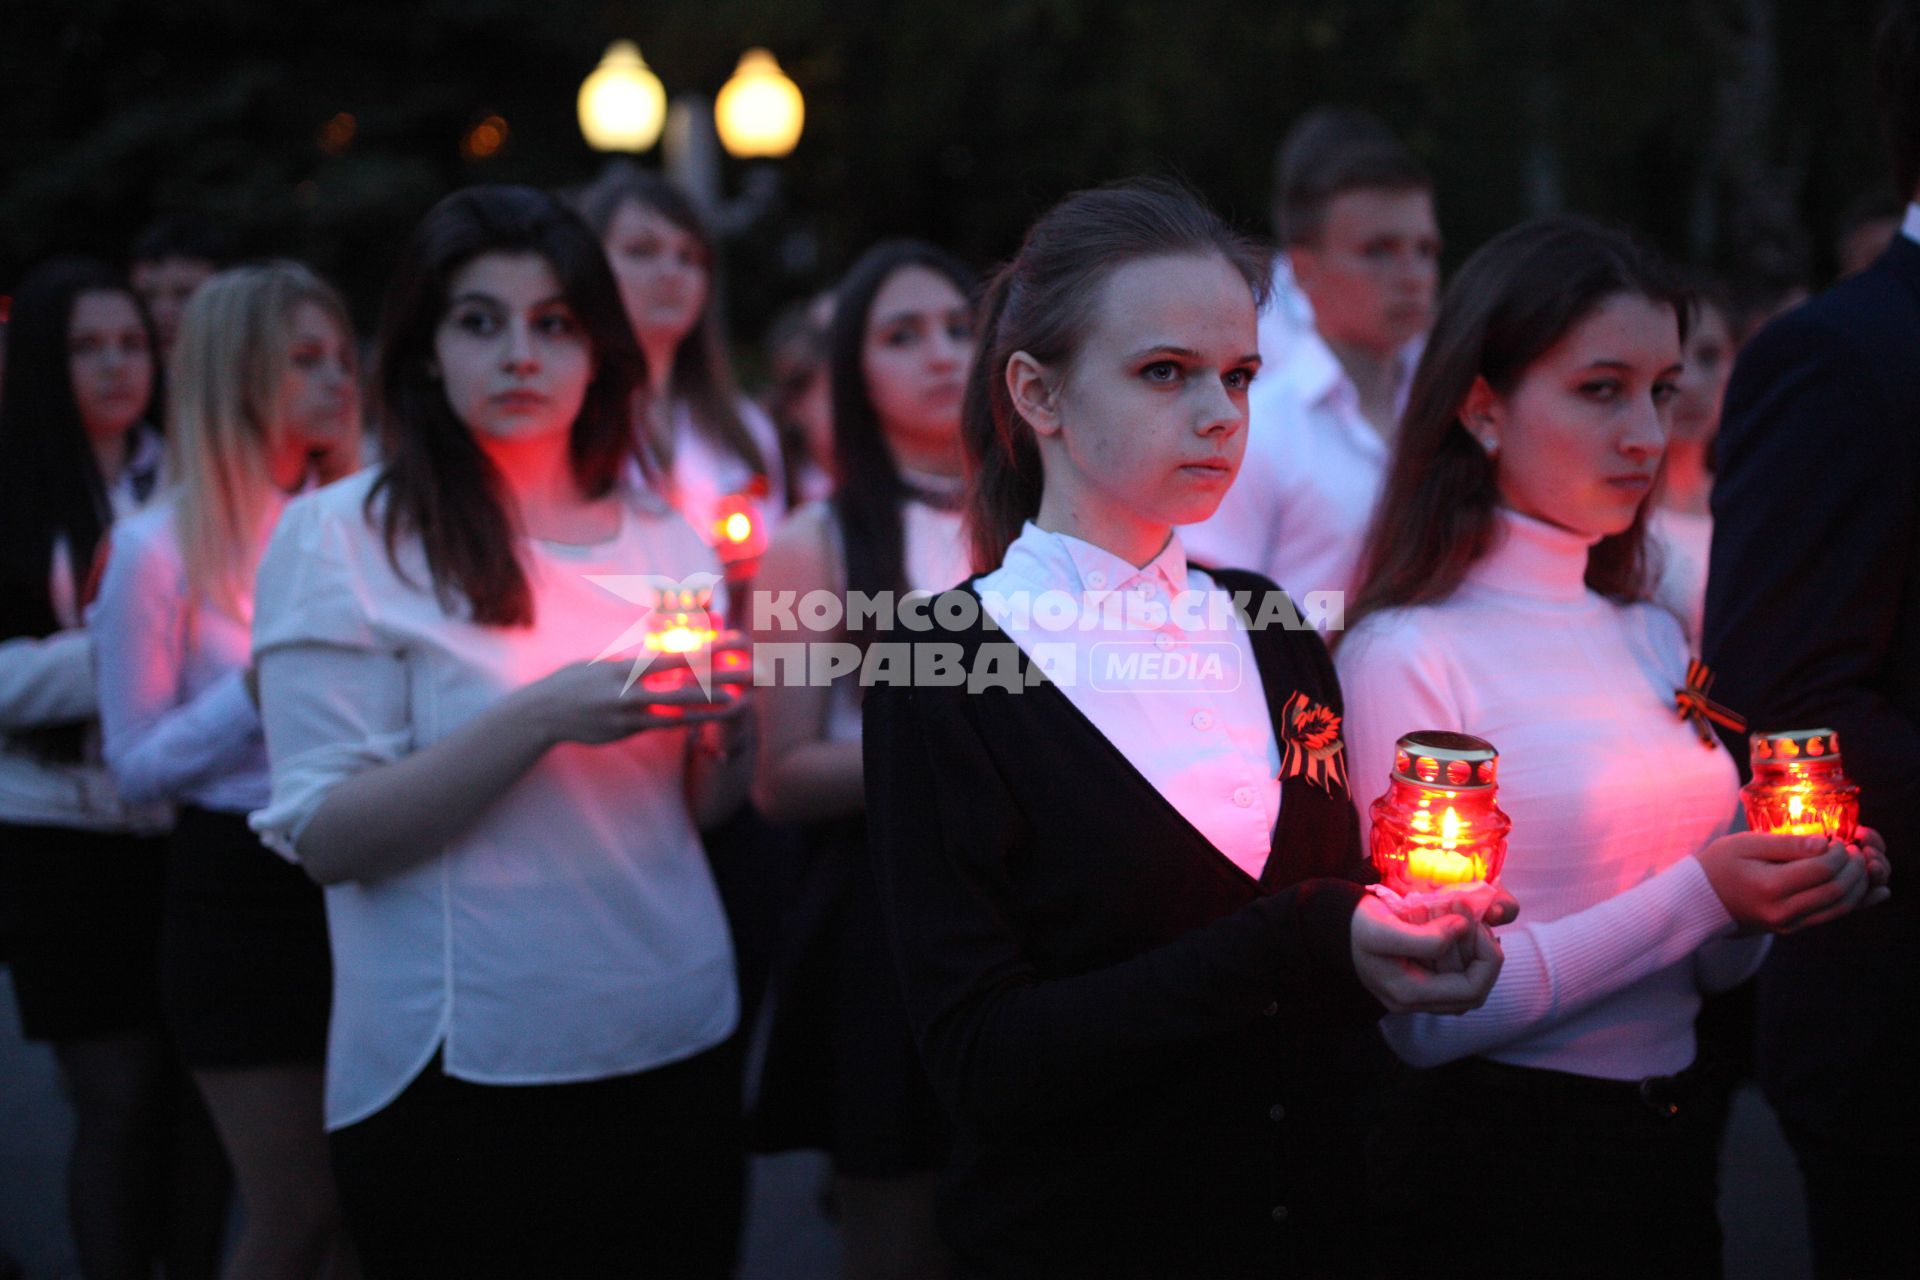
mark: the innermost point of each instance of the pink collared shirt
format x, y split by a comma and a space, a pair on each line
1156, 660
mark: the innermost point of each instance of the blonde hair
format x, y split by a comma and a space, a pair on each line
224, 383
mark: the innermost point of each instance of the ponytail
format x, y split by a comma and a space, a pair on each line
1003, 456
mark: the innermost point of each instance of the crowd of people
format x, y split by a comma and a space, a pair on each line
371, 861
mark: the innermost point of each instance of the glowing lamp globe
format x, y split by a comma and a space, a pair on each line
622, 104
1439, 827
759, 113
1799, 787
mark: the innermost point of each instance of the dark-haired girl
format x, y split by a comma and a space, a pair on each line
705, 441
1507, 597
80, 867
842, 1054
532, 973
1121, 930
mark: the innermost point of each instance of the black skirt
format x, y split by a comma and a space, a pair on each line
245, 974
1483, 1169
841, 1072
85, 924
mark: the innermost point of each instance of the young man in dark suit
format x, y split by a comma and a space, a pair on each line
1813, 618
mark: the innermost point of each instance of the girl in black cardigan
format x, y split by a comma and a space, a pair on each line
1137, 1015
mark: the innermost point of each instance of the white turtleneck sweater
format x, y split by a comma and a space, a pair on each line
1610, 794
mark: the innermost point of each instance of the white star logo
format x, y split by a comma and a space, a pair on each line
675, 622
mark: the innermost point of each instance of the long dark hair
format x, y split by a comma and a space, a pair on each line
50, 485
438, 484
867, 498
702, 373
1043, 302
1514, 299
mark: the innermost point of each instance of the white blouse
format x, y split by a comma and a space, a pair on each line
49, 681
572, 931
175, 719
1610, 793
1176, 689
704, 472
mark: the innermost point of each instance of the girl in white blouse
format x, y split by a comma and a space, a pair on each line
532, 977
705, 440
841, 1070
81, 869
263, 376
1506, 597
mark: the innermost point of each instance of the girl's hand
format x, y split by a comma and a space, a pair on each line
589, 701
1784, 883
1398, 961
1873, 846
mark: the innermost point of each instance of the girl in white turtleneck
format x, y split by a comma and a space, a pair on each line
1506, 596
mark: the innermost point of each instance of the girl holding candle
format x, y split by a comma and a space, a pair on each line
1118, 929
706, 442
263, 375
1507, 597
81, 866
842, 1072
532, 977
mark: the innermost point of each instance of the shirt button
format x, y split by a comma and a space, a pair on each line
1162, 640
1096, 579
1276, 1113
1243, 796
1279, 1213
1203, 719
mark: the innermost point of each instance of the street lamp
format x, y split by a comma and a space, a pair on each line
759, 113
622, 104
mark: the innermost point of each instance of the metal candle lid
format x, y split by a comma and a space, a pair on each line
1795, 746
1436, 758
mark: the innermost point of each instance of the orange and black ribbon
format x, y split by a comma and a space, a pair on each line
1313, 750
1695, 706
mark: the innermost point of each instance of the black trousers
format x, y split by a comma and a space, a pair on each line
633, 1177
1486, 1170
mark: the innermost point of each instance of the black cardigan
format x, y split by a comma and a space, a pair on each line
1142, 1046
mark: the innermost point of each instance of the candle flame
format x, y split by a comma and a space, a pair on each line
1794, 807
679, 638
737, 527
1449, 828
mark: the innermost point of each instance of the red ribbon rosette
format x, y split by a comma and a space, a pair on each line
1701, 711
1310, 734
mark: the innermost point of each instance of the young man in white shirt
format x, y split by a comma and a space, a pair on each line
1353, 297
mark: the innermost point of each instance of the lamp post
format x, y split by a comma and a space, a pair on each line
622, 104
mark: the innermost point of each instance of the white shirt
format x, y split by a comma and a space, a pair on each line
176, 722
704, 472
1202, 738
1684, 543
1610, 793
49, 681
572, 931
938, 556
1299, 509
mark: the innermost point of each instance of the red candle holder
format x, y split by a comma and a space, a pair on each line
680, 626
1439, 827
1799, 787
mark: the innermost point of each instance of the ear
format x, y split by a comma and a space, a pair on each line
1030, 386
1484, 415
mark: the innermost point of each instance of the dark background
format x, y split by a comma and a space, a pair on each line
1733, 132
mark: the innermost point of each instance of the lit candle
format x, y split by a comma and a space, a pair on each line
1439, 827
738, 535
679, 626
1799, 787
